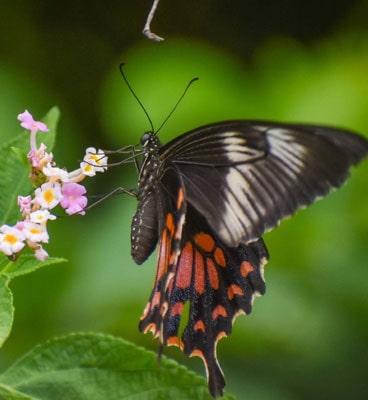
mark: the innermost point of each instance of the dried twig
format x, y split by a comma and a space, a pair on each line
147, 27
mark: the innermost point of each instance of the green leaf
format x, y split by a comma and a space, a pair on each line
11, 269
25, 264
51, 119
11, 394
22, 156
13, 175
99, 367
6, 309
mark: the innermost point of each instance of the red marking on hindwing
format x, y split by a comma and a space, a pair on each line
170, 223
220, 257
173, 257
177, 309
163, 309
233, 290
198, 353
245, 268
184, 269
220, 335
152, 327
205, 242
146, 311
163, 255
175, 341
212, 273
156, 299
219, 311
199, 273
199, 326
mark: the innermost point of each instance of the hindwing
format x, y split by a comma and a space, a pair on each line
171, 209
218, 282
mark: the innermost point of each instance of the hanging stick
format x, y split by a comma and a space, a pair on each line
147, 27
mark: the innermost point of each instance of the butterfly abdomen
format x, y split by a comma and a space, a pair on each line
144, 233
144, 230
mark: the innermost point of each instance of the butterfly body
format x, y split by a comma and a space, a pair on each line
144, 230
206, 198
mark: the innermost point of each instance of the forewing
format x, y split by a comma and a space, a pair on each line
244, 176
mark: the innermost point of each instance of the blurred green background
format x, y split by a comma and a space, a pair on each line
284, 60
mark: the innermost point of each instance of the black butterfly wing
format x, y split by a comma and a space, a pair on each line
195, 267
171, 210
220, 283
245, 176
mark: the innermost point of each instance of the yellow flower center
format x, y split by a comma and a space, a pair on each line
95, 158
35, 231
49, 196
11, 239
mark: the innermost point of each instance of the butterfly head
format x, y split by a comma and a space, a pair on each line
145, 138
150, 142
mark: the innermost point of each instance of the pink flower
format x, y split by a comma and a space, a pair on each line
27, 122
41, 254
24, 203
73, 200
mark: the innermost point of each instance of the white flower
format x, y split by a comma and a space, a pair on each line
94, 161
48, 195
41, 216
11, 240
35, 232
55, 172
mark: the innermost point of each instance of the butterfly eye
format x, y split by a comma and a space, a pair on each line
145, 138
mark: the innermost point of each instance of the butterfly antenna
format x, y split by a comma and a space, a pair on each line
177, 103
121, 67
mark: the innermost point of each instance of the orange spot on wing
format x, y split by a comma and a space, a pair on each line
220, 257
198, 273
197, 353
199, 326
175, 341
245, 268
212, 273
163, 255
233, 290
170, 282
164, 308
204, 241
220, 335
152, 327
156, 299
146, 311
219, 311
180, 200
172, 258
184, 269
177, 309
170, 223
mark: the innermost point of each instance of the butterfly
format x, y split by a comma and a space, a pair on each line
206, 198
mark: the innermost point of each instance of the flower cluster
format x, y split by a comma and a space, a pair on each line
53, 186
